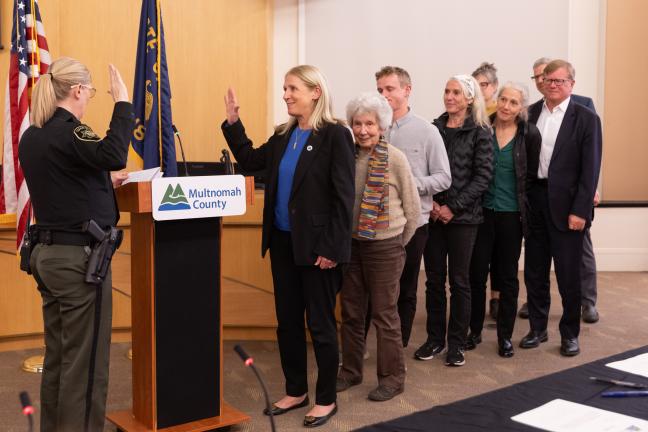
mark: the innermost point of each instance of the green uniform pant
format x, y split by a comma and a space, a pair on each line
77, 318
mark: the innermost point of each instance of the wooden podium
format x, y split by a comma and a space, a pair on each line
176, 322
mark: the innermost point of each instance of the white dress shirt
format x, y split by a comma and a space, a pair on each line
549, 124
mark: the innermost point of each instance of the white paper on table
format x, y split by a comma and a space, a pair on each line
564, 416
143, 175
637, 365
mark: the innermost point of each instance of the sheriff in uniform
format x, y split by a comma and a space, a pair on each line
67, 168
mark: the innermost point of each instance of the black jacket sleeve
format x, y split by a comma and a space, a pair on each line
111, 152
249, 158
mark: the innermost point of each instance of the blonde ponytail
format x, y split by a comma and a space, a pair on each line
55, 86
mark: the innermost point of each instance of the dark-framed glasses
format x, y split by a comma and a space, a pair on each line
92, 90
557, 82
537, 77
484, 84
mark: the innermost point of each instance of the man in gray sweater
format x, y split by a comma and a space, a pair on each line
422, 144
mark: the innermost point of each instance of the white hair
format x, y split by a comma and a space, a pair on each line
524, 96
476, 106
368, 103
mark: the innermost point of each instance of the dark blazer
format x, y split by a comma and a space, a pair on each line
584, 100
575, 163
323, 190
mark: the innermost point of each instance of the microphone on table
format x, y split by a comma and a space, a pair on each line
184, 161
27, 409
249, 362
227, 161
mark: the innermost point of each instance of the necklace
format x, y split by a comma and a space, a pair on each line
298, 134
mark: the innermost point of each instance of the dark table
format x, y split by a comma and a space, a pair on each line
492, 411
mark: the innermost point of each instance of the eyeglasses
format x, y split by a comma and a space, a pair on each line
557, 82
484, 84
92, 90
537, 77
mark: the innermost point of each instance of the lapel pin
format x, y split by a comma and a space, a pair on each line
309, 148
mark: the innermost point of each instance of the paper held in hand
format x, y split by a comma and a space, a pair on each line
146, 175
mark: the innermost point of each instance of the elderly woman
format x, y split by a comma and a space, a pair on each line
309, 166
455, 218
486, 76
516, 146
385, 216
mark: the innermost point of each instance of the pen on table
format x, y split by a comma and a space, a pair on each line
620, 383
624, 394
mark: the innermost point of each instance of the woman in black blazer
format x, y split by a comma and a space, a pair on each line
309, 169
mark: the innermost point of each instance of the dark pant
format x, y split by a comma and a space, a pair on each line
311, 289
588, 272
77, 318
497, 249
373, 273
454, 243
409, 281
545, 242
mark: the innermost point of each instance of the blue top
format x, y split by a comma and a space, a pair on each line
287, 166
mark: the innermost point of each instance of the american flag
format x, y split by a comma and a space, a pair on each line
29, 59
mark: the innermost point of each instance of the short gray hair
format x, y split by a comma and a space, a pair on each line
368, 103
524, 96
541, 61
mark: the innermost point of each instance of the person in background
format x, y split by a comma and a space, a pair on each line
309, 193
588, 270
385, 217
67, 168
455, 218
516, 145
560, 203
423, 146
486, 76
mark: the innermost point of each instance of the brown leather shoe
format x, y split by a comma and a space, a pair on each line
384, 393
342, 383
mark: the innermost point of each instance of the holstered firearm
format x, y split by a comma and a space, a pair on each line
102, 252
26, 249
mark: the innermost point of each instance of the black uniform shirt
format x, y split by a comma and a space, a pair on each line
67, 168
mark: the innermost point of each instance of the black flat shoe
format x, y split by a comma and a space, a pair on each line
312, 421
505, 348
278, 411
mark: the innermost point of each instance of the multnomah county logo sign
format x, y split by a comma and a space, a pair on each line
174, 199
197, 197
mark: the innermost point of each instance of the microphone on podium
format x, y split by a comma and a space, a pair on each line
249, 362
184, 161
27, 408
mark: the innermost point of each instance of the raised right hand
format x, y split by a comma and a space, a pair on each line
118, 89
231, 106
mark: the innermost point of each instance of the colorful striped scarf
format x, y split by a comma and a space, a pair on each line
374, 208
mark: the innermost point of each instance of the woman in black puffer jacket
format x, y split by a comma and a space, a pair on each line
455, 218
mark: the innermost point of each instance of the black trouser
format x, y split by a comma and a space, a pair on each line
566, 248
453, 242
497, 249
311, 289
409, 281
77, 318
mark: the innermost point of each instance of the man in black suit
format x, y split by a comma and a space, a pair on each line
588, 267
560, 201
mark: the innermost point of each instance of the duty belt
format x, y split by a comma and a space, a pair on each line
50, 237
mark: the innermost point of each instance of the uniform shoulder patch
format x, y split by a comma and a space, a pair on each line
84, 133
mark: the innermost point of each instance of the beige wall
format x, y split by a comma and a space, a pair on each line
625, 145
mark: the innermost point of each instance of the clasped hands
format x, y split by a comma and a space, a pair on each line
441, 212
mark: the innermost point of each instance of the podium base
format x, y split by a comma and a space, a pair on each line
125, 421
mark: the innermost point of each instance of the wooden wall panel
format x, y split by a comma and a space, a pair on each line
625, 143
210, 45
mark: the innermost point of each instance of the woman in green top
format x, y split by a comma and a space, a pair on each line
516, 146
